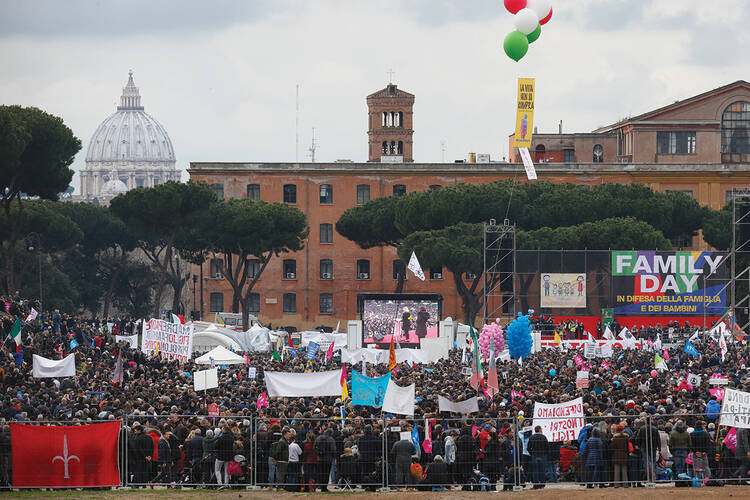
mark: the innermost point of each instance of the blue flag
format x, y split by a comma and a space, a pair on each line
367, 391
415, 438
690, 349
73, 344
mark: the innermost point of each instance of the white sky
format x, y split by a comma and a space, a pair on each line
220, 75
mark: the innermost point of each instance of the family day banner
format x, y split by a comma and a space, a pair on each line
735, 410
469, 406
563, 290
650, 282
367, 391
297, 385
170, 340
560, 422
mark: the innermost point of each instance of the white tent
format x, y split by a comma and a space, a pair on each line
208, 339
221, 356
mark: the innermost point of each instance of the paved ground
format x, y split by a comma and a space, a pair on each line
571, 492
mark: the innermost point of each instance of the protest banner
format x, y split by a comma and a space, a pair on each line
399, 400
295, 385
206, 379
735, 409
173, 340
560, 422
589, 350
213, 410
367, 391
582, 379
130, 339
469, 406
562, 290
252, 372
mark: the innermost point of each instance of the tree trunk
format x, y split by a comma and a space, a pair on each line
177, 286
112, 282
401, 279
470, 303
163, 277
235, 301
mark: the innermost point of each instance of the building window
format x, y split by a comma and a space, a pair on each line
363, 269
400, 148
253, 191
253, 268
253, 303
398, 267
436, 273
326, 233
326, 303
217, 268
682, 241
157, 181
688, 192
400, 119
598, 153
290, 193
140, 182
363, 193
570, 155
326, 194
735, 133
326, 269
384, 149
675, 143
218, 189
470, 276
290, 302
217, 302
435, 186
399, 189
290, 269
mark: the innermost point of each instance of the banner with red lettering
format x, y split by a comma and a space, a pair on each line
66, 456
560, 422
169, 340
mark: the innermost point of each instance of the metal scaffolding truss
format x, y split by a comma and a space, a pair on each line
739, 254
499, 269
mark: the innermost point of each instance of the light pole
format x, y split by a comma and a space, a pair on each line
193, 315
33, 238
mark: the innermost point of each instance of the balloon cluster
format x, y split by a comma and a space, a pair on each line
491, 331
519, 337
529, 17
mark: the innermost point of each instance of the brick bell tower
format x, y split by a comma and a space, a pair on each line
390, 125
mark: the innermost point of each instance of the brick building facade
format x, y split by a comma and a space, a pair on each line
319, 285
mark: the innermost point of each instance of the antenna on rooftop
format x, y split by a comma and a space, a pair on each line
442, 147
296, 128
313, 146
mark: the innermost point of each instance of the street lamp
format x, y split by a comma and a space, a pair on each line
32, 239
193, 310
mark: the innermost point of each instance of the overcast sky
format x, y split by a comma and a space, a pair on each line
220, 75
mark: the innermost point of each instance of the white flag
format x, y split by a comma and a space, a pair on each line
694, 337
657, 344
32, 315
415, 267
723, 347
528, 164
608, 334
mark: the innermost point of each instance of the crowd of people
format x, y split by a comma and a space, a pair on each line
639, 427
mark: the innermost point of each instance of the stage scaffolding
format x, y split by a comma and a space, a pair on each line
499, 270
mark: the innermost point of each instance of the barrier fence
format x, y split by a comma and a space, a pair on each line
309, 454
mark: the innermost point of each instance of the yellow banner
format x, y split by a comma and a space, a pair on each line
524, 113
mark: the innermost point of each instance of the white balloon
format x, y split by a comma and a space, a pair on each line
541, 7
526, 21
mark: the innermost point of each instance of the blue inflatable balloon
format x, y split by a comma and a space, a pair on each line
552, 372
518, 337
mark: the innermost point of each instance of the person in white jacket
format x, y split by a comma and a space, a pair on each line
450, 453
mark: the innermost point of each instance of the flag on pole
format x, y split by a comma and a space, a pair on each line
275, 354
31, 316
427, 443
608, 334
476, 364
329, 354
515, 394
309, 366
415, 267
415, 439
657, 344
694, 336
219, 319
15, 332
262, 401
659, 363
344, 387
722, 345
492, 383
392, 354
117, 373
557, 339
690, 349
180, 319
605, 365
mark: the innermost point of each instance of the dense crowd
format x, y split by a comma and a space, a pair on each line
637, 425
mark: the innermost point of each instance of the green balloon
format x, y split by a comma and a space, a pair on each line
516, 45
534, 35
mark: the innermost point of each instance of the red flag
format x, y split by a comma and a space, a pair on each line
392, 356
289, 338
67, 456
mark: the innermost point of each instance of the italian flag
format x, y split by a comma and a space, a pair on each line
15, 332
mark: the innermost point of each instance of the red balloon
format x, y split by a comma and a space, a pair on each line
514, 6
546, 19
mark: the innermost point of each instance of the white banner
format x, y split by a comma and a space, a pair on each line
206, 379
735, 410
294, 385
560, 422
605, 351
380, 356
44, 367
174, 341
694, 380
528, 164
398, 400
468, 406
131, 339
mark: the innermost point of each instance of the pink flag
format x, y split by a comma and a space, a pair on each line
731, 439
329, 354
486, 394
474, 431
666, 355
262, 401
247, 360
7, 307
605, 365
427, 443
578, 359
719, 393
515, 394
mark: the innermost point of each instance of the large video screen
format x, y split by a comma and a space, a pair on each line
410, 317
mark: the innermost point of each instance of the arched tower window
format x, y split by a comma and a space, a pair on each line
400, 148
385, 147
393, 148
383, 119
735, 133
598, 153
400, 118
